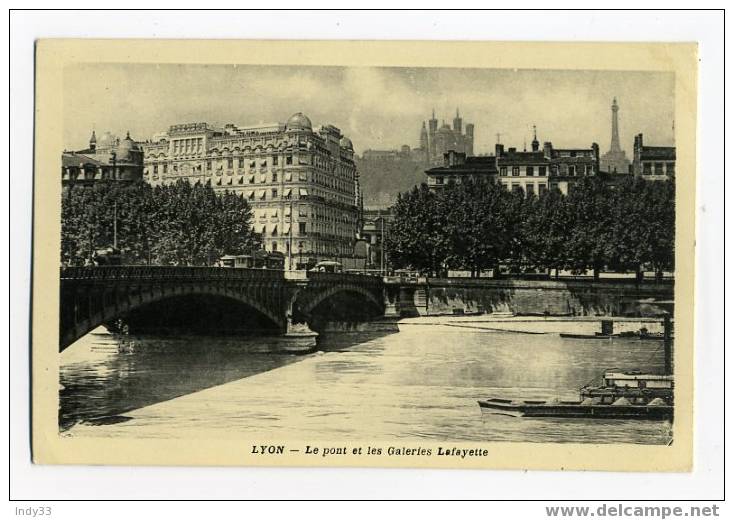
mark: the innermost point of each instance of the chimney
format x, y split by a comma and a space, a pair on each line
547, 150
499, 150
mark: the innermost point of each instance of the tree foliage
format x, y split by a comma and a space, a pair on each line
177, 224
477, 226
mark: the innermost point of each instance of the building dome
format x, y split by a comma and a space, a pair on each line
107, 140
126, 146
445, 129
298, 121
346, 143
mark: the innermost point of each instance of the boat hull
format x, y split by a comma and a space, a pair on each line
598, 411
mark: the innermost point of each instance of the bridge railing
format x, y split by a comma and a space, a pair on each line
159, 272
357, 279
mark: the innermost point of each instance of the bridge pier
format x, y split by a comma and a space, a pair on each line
391, 296
298, 336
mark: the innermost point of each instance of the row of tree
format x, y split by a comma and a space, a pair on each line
176, 224
479, 226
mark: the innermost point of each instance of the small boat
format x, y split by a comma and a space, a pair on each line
656, 409
587, 336
621, 395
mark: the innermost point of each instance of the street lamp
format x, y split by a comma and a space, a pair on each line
382, 244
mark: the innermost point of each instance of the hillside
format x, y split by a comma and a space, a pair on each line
381, 181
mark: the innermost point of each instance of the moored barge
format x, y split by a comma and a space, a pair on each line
622, 394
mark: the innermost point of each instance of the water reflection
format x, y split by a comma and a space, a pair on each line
422, 382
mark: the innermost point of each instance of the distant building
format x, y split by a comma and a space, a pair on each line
653, 162
435, 141
536, 171
302, 184
615, 160
108, 158
459, 168
533, 172
387, 155
376, 227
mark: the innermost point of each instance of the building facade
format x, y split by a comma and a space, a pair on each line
653, 162
537, 171
302, 183
534, 172
615, 160
108, 158
458, 168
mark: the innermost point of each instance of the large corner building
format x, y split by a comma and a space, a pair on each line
302, 183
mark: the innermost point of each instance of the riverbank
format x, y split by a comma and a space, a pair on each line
509, 323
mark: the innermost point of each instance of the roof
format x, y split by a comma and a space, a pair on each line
481, 164
71, 159
658, 152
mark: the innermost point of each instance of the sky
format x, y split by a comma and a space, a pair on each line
376, 107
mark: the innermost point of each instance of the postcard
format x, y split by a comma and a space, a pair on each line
364, 253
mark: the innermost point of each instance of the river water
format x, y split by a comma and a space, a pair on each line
420, 383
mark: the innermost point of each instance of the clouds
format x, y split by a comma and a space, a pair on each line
375, 107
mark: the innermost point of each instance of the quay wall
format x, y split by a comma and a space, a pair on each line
533, 297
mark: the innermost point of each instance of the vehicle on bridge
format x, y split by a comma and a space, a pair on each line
257, 260
107, 256
328, 267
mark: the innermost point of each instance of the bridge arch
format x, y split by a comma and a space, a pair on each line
123, 303
317, 297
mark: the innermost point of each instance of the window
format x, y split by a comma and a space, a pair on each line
155, 168
302, 228
670, 167
646, 168
274, 193
529, 171
572, 171
275, 160
541, 171
573, 154
241, 162
165, 168
439, 180
554, 170
658, 168
516, 188
289, 160
530, 190
275, 246
542, 189
209, 165
275, 177
515, 171
229, 163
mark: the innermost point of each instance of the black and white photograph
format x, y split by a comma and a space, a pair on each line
374, 264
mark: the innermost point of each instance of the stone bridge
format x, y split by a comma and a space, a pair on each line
97, 295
